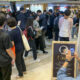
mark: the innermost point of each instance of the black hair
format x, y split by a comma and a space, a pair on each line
11, 22
29, 22
31, 13
35, 16
50, 10
61, 12
22, 8
67, 12
44, 10
62, 49
38, 11
57, 14
2, 19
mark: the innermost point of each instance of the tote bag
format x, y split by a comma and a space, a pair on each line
25, 41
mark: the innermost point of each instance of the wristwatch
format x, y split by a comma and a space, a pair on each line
67, 60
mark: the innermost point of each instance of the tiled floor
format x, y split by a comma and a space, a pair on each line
37, 70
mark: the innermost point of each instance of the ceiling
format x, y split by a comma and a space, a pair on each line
41, 1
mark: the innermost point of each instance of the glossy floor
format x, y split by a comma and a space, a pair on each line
37, 70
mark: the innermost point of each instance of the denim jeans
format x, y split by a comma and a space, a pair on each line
74, 32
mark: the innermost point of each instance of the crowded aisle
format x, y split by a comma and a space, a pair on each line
43, 68
32, 42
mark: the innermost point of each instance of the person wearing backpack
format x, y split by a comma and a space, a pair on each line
7, 58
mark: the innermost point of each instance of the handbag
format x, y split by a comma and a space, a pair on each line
25, 41
38, 33
30, 34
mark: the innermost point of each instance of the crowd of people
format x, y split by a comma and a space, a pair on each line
35, 26
50, 22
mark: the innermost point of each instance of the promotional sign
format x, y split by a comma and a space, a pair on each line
59, 50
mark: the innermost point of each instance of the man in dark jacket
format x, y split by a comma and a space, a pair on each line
50, 24
22, 19
41, 21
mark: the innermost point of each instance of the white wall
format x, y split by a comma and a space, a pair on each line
36, 7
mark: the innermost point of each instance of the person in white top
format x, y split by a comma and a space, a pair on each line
65, 26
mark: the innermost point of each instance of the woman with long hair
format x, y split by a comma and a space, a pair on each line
31, 37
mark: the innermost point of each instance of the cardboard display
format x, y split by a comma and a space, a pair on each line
58, 57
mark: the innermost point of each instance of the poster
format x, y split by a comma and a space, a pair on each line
59, 50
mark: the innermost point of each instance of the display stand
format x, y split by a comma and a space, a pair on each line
58, 57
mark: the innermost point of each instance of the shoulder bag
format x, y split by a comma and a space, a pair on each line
25, 41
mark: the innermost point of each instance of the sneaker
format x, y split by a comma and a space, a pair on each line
37, 60
45, 52
19, 77
25, 72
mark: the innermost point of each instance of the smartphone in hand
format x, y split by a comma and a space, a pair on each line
72, 51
